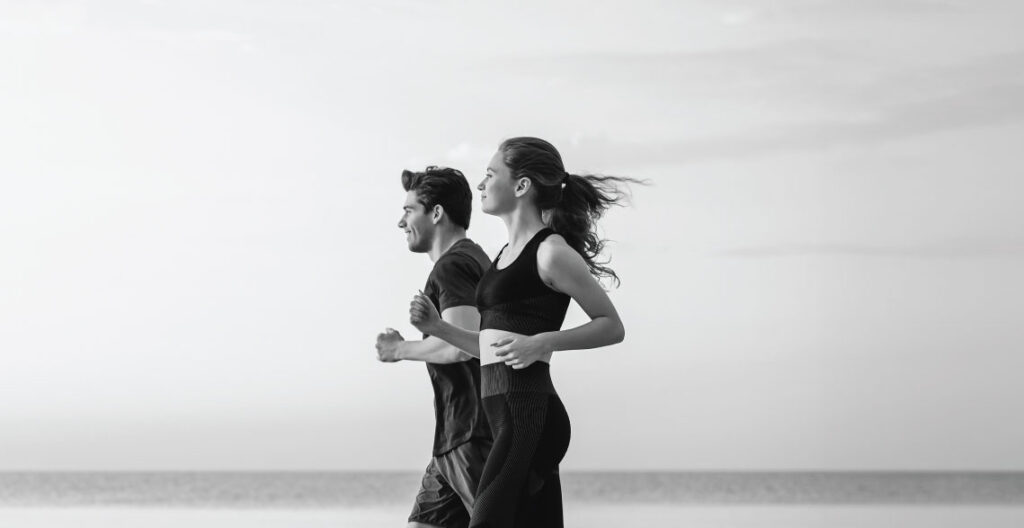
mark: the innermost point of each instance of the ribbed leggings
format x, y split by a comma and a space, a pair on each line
519, 486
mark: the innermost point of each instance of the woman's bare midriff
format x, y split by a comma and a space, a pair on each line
490, 335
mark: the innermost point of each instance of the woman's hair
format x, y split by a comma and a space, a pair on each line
574, 203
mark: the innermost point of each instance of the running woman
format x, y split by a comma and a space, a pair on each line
435, 218
550, 258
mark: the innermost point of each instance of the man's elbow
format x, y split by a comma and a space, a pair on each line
456, 355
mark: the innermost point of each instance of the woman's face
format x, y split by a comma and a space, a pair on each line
497, 190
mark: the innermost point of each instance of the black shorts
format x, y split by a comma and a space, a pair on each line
449, 486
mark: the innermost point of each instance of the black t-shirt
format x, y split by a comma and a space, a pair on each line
459, 415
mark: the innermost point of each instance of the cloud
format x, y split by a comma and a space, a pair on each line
934, 250
192, 38
466, 151
841, 9
844, 9
828, 71
739, 17
42, 19
683, 69
888, 105
993, 105
980, 105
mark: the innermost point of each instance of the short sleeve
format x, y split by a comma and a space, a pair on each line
456, 282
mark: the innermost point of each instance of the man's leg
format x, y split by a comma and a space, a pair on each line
437, 504
461, 469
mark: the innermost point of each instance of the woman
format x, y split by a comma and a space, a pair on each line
522, 298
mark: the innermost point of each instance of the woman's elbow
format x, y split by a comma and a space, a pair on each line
619, 333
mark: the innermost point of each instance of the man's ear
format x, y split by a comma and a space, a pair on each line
437, 214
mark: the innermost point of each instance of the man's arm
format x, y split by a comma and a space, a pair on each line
430, 350
424, 317
391, 347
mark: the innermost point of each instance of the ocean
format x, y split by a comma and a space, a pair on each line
592, 499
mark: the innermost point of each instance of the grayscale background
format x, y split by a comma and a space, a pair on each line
198, 227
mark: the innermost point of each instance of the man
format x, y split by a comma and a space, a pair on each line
436, 215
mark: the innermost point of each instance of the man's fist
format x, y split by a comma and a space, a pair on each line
387, 345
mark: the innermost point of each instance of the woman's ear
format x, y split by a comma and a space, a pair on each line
523, 185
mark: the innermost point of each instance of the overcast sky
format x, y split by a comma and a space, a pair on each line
199, 206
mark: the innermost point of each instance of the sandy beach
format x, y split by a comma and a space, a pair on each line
591, 517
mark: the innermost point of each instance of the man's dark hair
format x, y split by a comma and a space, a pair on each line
442, 186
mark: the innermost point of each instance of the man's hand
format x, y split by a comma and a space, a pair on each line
423, 315
387, 345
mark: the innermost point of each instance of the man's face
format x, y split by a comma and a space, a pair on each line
417, 224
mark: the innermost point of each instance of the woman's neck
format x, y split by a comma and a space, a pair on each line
522, 224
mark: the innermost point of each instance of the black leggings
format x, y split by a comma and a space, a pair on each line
519, 486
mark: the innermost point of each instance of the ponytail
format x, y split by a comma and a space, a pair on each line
572, 204
583, 202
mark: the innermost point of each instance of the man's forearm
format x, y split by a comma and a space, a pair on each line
466, 340
430, 350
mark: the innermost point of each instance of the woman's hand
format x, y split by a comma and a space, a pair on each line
423, 315
521, 352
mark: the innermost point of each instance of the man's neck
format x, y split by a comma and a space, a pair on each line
443, 241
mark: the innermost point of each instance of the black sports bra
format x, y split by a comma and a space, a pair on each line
515, 299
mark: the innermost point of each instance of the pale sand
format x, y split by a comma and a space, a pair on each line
715, 516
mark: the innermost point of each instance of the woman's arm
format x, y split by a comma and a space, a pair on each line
564, 270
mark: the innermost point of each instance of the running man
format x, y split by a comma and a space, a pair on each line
437, 208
